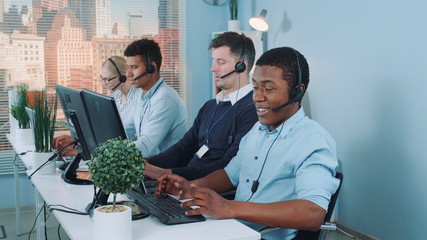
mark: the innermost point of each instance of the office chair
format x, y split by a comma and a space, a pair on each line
309, 235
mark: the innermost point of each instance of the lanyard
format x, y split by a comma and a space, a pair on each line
208, 131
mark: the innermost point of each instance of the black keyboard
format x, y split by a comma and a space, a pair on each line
164, 208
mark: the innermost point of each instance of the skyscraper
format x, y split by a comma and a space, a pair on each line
94, 15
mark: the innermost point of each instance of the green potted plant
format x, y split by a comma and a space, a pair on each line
20, 102
43, 117
117, 166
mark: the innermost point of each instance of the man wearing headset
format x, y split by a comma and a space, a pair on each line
285, 167
220, 124
160, 116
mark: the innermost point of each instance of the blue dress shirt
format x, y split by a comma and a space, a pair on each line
127, 109
160, 119
301, 164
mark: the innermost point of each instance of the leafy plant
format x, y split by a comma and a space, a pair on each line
44, 120
18, 109
117, 166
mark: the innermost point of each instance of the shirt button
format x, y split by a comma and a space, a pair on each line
247, 180
256, 157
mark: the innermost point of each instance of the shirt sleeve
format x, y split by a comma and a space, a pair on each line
315, 178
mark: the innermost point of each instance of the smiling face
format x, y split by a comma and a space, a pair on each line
270, 91
224, 62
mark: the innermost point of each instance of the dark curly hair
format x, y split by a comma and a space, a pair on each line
141, 47
286, 59
238, 44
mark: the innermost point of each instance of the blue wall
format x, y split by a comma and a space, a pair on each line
368, 88
7, 188
202, 20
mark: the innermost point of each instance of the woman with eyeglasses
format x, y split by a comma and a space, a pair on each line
121, 90
113, 72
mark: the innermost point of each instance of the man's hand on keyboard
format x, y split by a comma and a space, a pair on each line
154, 172
208, 201
168, 183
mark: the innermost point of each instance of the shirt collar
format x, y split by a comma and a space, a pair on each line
243, 91
153, 89
287, 125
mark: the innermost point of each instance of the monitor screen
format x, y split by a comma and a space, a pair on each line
77, 120
104, 116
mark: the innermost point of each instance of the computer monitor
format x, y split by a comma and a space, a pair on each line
106, 124
104, 116
80, 129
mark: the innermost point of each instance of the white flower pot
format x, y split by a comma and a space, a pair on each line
38, 159
24, 137
113, 225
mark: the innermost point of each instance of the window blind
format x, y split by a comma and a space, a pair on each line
49, 42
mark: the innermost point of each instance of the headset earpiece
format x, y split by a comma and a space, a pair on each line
150, 67
296, 93
241, 66
122, 78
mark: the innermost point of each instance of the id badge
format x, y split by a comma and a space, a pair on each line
202, 151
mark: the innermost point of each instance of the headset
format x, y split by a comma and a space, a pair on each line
240, 65
296, 96
296, 93
122, 78
150, 68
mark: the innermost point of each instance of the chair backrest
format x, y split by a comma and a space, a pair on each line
333, 200
309, 235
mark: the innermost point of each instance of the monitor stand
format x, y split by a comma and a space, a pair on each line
100, 199
70, 175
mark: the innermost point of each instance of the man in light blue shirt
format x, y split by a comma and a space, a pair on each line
160, 116
285, 168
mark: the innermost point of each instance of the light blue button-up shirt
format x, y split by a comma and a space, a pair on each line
160, 119
127, 109
301, 164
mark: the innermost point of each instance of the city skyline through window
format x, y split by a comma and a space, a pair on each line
48, 42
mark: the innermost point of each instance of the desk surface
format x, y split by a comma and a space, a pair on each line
55, 191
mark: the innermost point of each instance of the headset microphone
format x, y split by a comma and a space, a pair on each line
228, 74
283, 105
149, 69
114, 88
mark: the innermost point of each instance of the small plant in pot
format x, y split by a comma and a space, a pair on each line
43, 117
18, 109
20, 122
117, 166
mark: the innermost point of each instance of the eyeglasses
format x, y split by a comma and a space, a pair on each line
107, 80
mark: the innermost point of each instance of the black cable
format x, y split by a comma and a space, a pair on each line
35, 221
59, 235
255, 183
44, 217
16, 157
230, 139
53, 157
67, 209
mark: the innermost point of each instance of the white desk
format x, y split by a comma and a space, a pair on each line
53, 190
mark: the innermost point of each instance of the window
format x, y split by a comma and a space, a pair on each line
73, 38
